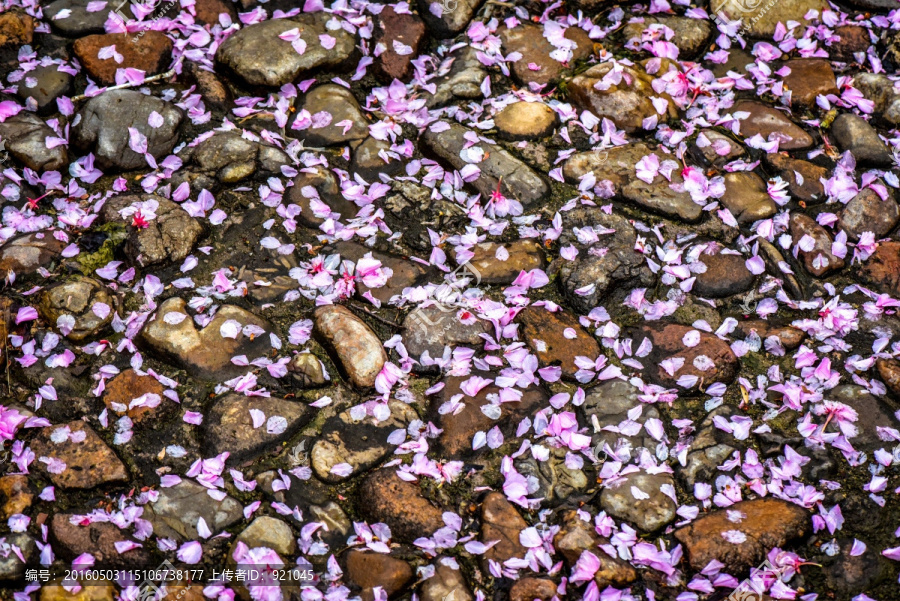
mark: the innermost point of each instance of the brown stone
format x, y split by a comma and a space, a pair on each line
768, 523
868, 212
150, 52
725, 274
128, 386
711, 140
888, 371
501, 522
228, 425
208, 11
556, 338
528, 39
405, 273
213, 90
808, 186
447, 584
16, 28
820, 260
406, 29
668, 343
809, 78
459, 428
790, 337
747, 198
319, 183
765, 120
577, 536
853, 39
89, 463
882, 270
532, 589
524, 255
97, 538
26, 254
15, 495
384, 497
525, 121
357, 348
98, 591
369, 570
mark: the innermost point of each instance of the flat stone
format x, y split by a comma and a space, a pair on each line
447, 584
760, 21
15, 495
445, 21
178, 509
361, 444
867, 212
77, 21
525, 121
459, 77
404, 273
205, 353
626, 104
459, 428
577, 536
820, 260
229, 425
150, 53
126, 388
405, 30
260, 58
851, 132
44, 85
804, 178
16, 28
690, 35
84, 304
314, 185
430, 329
725, 275
88, 464
357, 349
853, 39
102, 128
25, 139
591, 277
556, 338
878, 88
882, 270
369, 162
532, 589
717, 148
170, 233
809, 78
518, 256
618, 166
747, 198
719, 365
605, 410
637, 499
97, 538
766, 523
501, 522
528, 40
230, 157
330, 106
499, 168
399, 504
766, 121
873, 412
370, 570
269, 532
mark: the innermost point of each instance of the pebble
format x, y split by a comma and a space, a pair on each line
129, 386
15, 495
319, 183
618, 166
369, 163
271, 533
88, 464
498, 168
229, 425
399, 504
16, 28
820, 260
525, 121
746, 197
606, 407
205, 353
102, 125
178, 509
11, 567
501, 522
709, 140
626, 104
710, 360
809, 78
763, 22
765, 121
405, 273
231, 158
532, 589
462, 80
446, 20
356, 348
556, 338
765, 523
150, 53
804, 178
334, 105
98, 591
528, 40
494, 263
725, 275
556, 482
790, 337
170, 235
852, 133
370, 570
97, 538
882, 270
307, 370
709, 449
690, 35
257, 56
577, 536
49, 84
853, 39
867, 212
888, 372
638, 499
85, 303
405, 29
79, 21
874, 412
216, 95
410, 210
447, 584
878, 88
430, 329
25, 139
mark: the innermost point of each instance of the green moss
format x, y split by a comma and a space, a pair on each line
116, 234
